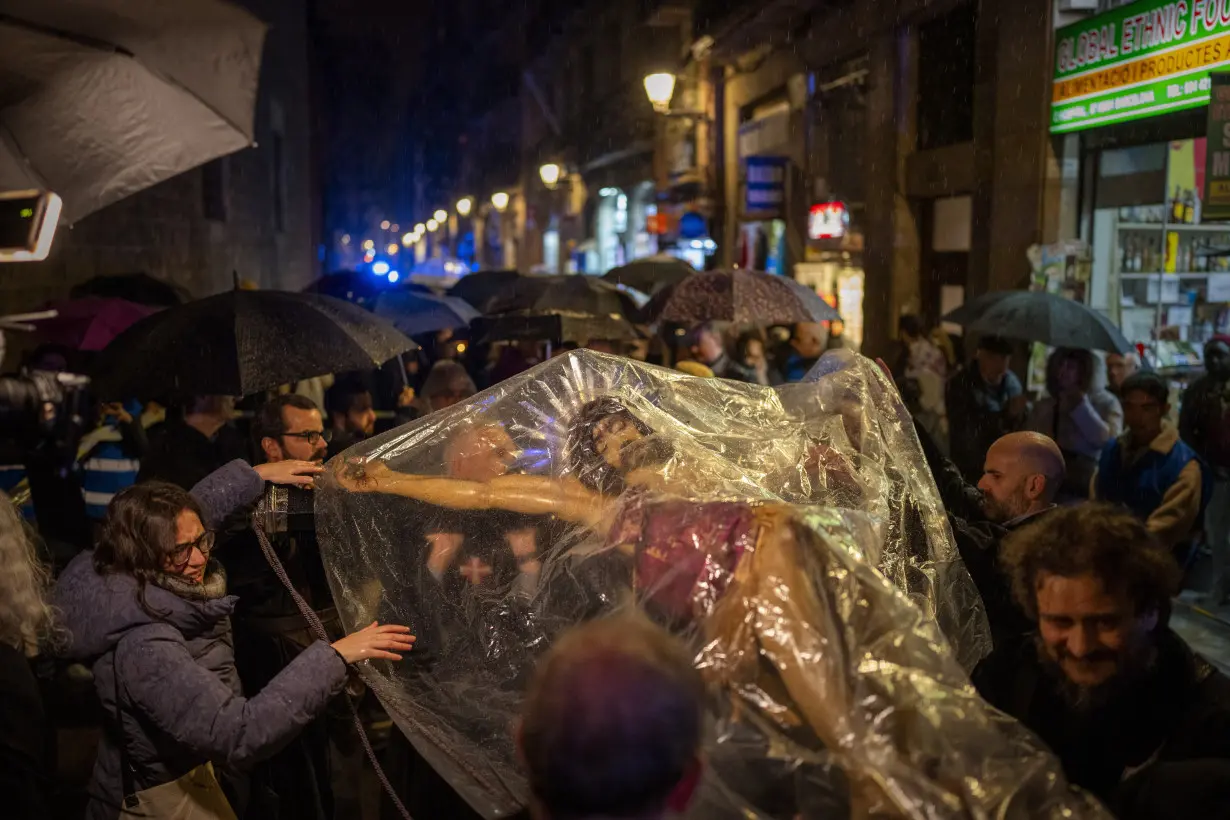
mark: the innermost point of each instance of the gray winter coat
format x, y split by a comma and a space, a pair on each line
180, 701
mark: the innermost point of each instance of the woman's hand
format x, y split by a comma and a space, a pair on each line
375, 642
295, 473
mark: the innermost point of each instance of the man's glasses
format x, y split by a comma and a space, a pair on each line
313, 437
182, 554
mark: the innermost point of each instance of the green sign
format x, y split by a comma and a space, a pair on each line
1216, 203
1142, 59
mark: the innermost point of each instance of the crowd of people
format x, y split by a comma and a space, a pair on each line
1077, 517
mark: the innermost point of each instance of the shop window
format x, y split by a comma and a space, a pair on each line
946, 69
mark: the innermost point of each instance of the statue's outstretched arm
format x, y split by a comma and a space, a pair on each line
527, 494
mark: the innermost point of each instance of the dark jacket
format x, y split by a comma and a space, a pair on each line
1204, 422
179, 699
180, 454
24, 762
978, 540
1146, 752
978, 416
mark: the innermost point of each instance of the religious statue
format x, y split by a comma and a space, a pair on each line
813, 652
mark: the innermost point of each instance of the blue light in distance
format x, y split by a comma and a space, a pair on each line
380, 268
394, 276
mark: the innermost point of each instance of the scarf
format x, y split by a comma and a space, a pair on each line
212, 587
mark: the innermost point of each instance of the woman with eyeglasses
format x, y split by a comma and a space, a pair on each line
149, 607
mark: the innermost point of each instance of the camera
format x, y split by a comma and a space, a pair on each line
50, 408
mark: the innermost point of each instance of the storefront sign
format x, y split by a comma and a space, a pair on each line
828, 220
1138, 60
766, 186
1216, 204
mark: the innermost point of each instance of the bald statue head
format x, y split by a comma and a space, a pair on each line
480, 453
1021, 475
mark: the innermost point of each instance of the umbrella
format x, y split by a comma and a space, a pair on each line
1037, 316
242, 342
561, 326
90, 323
740, 296
478, 288
133, 287
104, 98
414, 312
652, 274
576, 294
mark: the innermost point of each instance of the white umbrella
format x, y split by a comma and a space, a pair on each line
100, 99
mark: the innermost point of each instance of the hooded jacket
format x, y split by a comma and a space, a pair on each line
168, 669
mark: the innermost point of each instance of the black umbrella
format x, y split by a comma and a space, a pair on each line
576, 294
561, 326
651, 275
414, 312
479, 287
1037, 316
133, 287
243, 342
740, 296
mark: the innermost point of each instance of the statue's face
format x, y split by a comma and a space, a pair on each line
611, 435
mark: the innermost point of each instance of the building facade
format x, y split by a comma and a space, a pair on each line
1139, 112
254, 213
893, 155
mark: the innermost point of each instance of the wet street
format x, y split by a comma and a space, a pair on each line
1206, 632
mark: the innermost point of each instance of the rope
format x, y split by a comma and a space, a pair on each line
318, 629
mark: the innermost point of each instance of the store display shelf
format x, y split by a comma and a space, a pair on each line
1157, 226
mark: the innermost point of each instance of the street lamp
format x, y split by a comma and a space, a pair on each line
407, 240
368, 244
441, 216
392, 249
432, 225
550, 174
500, 200
464, 205
384, 226
420, 229
660, 87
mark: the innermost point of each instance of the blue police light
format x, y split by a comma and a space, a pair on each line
394, 276
380, 268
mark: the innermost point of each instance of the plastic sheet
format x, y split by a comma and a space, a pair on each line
793, 538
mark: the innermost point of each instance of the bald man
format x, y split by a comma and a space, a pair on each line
1021, 474
1020, 477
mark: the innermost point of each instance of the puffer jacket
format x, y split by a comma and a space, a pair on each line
179, 700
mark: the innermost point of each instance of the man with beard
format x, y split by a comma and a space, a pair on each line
308, 779
1132, 713
1022, 472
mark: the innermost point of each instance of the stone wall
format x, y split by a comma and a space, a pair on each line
163, 230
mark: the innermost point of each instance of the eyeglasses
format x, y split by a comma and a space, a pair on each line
313, 437
182, 554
